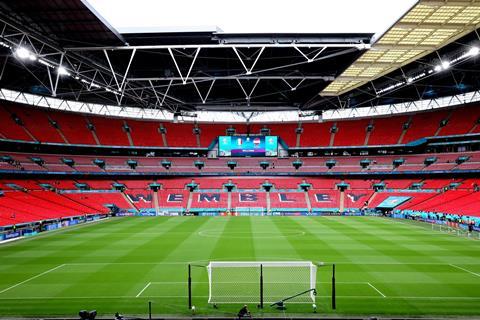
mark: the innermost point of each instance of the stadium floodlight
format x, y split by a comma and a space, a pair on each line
474, 51
24, 54
261, 281
62, 71
4, 44
438, 68
445, 65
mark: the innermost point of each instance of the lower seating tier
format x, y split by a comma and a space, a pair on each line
23, 201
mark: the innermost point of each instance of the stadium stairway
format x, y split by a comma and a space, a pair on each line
268, 201
229, 201
189, 201
368, 132
342, 201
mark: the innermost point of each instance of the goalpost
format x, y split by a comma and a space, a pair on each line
261, 282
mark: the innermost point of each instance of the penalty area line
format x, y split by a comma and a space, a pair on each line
32, 278
144, 288
374, 288
463, 269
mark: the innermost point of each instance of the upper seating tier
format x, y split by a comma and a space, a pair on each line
37, 124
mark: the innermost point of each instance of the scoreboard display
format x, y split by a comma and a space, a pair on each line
248, 146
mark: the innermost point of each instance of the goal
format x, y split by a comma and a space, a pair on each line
261, 281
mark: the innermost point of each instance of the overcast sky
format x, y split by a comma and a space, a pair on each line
252, 16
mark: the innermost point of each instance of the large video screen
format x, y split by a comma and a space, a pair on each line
244, 146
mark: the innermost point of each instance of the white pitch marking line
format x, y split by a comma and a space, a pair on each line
374, 288
32, 278
325, 262
460, 268
201, 296
227, 282
144, 288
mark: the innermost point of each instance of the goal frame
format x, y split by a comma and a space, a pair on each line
261, 265
321, 264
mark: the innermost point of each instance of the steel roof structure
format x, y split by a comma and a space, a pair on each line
427, 27
201, 71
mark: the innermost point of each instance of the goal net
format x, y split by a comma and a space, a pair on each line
248, 281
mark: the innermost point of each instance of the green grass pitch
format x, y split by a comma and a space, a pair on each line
384, 266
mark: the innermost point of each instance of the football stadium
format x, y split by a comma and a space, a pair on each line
239, 159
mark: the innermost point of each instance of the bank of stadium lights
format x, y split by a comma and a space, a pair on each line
113, 91
24, 54
444, 65
46, 63
5, 45
61, 70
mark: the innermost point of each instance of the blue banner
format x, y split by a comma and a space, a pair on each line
11, 235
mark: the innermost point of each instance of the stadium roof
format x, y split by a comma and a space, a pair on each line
76, 50
251, 16
430, 25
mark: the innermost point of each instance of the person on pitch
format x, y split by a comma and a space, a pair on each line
244, 313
